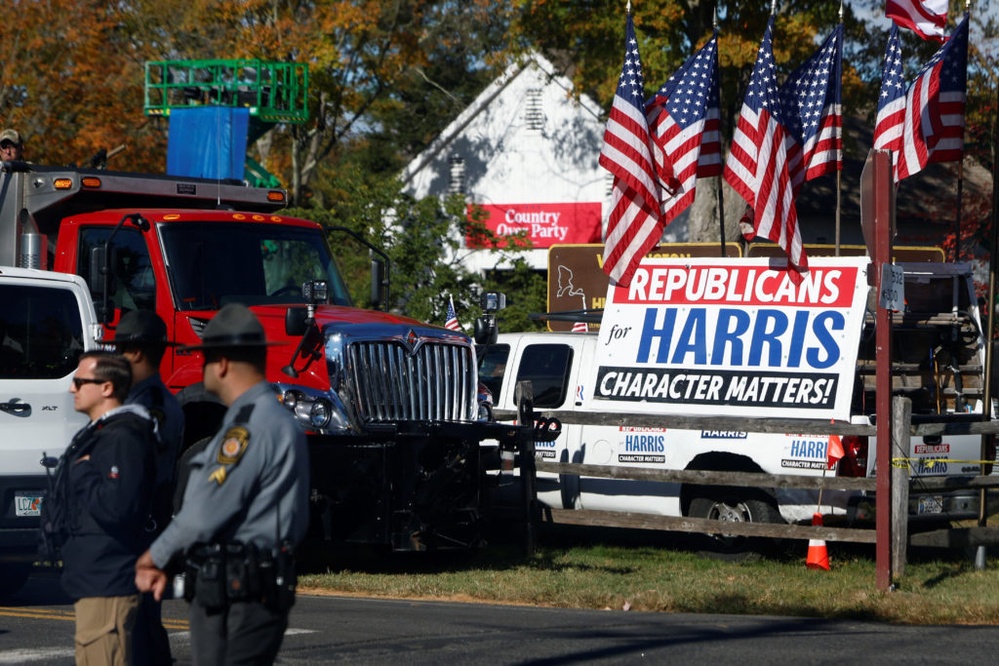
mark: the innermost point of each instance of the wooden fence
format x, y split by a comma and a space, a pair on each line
903, 429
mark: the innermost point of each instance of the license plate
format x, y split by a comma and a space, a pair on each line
27, 504
930, 504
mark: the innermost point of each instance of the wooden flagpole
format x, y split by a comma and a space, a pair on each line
957, 216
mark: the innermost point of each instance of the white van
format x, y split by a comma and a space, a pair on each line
942, 324
47, 320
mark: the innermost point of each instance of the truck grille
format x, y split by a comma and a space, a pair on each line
435, 383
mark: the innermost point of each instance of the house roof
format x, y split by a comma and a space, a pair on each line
486, 97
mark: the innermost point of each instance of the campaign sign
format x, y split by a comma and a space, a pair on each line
733, 337
545, 224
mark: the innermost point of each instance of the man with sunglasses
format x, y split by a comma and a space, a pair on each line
99, 505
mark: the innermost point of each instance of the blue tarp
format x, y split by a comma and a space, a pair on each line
207, 142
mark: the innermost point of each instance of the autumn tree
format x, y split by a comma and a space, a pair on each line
387, 77
71, 83
375, 67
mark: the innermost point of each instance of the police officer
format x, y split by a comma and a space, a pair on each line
141, 337
245, 507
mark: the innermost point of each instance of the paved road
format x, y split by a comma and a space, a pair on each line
36, 627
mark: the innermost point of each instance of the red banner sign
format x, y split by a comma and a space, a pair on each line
543, 224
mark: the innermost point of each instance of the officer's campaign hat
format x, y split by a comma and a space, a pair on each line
141, 327
233, 326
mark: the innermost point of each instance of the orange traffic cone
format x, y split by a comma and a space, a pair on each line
818, 557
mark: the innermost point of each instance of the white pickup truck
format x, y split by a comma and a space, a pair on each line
47, 320
938, 361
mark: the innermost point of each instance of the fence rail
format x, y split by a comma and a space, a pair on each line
903, 429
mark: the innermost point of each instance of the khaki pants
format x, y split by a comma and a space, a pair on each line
104, 630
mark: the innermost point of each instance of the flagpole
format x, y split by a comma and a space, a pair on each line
957, 216
960, 183
839, 171
721, 180
990, 327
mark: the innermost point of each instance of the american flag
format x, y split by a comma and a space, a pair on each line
757, 165
810, 103
684, 119
933, 127
891, 101
580, 327
926, 18
634, 225
451, 322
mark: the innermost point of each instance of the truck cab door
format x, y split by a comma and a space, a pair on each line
552, 369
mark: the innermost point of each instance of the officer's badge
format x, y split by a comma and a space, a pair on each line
233, 445
218, 476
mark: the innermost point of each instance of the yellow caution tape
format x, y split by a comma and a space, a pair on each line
906, 462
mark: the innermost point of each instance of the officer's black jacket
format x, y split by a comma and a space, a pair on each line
107, 503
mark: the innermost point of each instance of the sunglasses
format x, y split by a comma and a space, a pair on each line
78, 382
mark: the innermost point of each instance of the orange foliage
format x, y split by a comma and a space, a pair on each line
70, 86
72, 73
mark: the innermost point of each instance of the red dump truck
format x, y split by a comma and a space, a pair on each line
390, 404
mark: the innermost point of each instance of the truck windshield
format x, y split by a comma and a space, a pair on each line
217, 263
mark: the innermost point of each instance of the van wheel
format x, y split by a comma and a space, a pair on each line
737, 507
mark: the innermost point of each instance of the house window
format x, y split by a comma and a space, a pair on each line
456, 177
534, 114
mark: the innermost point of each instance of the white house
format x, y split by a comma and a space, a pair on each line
526, 151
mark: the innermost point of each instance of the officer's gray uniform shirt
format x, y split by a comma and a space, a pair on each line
255, 465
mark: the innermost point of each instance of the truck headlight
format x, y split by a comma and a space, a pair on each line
290, 399
312, 409
321, 413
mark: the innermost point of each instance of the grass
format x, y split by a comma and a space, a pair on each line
620, 570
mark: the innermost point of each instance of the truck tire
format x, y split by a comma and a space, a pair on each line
735, 505
13, 577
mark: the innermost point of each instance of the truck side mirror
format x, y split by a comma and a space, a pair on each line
485, 330
102, 283
97, 271
296, 321
377, 282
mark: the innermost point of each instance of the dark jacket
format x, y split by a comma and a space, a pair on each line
164, 408
106, 501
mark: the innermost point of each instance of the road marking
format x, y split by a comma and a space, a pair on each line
42, 654
36, 613
48, 614
295, 632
